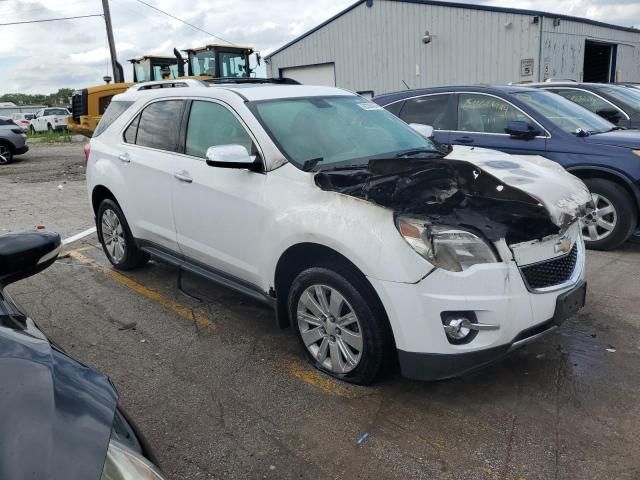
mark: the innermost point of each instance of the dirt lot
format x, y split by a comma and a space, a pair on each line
221, 393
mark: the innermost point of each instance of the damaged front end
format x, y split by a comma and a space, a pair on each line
467, 195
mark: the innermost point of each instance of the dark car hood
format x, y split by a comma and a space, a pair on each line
618, 138
55, 413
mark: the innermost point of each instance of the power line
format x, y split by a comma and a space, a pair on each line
50, 20
183, 21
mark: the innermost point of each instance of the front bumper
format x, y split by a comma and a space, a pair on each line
495, 293
435, 366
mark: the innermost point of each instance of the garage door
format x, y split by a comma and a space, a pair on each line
324, 74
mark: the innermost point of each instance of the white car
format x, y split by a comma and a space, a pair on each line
49, 119
366, 237
23, 120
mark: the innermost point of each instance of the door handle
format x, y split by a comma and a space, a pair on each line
464, 139
183, 177
124, 158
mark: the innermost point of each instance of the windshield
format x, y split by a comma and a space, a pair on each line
564, 114
336, 131
204, 63
629, 96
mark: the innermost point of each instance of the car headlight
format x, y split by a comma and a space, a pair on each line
124, 464
445, 247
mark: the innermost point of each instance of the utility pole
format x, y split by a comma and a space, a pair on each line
115, 66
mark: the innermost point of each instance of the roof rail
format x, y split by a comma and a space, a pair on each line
552, 80
251, 80
186, 82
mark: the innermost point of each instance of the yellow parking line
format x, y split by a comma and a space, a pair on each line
180, 310
313, 377
298, 369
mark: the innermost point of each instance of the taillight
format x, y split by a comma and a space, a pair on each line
17, 130
55, 120
87, 151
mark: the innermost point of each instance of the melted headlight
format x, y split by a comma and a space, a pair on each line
125, 464
450, 248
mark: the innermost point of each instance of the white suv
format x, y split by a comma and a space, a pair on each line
371, 240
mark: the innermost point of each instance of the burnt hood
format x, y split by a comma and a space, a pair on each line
55, 413
518, 198
616, 138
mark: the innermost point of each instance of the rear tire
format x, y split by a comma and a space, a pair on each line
6, 154
614, 219
115, 236
49, 127
348, 336
32, 130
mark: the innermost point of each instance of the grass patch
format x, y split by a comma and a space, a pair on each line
57, 136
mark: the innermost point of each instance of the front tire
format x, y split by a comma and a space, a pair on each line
614, 219
338, 325
32, 130
117, 241
49, 128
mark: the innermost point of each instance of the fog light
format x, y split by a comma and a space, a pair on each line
462, 327
456, 328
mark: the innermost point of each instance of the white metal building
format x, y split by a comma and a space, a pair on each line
377, 46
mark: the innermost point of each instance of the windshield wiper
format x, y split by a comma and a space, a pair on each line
310, 164
417, 151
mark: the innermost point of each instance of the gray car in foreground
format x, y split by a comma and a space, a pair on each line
13, 141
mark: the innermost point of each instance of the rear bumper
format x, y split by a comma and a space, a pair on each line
21, 150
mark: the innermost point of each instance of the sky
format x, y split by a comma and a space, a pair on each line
43, 57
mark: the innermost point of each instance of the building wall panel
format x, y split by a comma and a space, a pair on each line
380, 48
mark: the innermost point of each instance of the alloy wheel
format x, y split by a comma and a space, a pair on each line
113, 235
330, 328
5, 155
601, 222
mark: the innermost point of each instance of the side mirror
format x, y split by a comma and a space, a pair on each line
610, 114
521, 129
232, 156
25, 254
425, 130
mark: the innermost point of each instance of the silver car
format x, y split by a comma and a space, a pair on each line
13, 141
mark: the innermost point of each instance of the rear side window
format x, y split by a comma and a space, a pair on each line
211, 124
430, 110
159, 126
114, 110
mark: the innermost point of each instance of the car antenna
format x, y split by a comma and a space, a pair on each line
405, 84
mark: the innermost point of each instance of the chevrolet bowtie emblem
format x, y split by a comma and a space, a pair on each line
563, 245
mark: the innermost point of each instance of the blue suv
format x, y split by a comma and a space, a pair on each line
527, 121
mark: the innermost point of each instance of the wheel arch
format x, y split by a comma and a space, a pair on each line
100, 193
4, 141
584, 173
304, 255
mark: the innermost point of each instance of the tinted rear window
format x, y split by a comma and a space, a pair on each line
112, 113
159, 125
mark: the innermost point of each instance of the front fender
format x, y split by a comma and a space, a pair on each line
361, 231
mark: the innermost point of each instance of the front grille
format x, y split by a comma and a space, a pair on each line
551, 272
